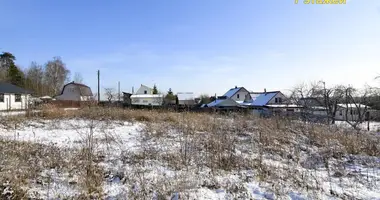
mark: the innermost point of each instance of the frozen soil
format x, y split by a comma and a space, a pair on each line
79, 159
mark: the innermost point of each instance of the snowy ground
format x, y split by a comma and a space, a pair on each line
144, 166
15, 113
373, 125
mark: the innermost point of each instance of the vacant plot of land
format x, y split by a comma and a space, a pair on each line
159, 155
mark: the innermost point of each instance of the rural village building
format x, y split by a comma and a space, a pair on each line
352, 112
144, 97
75, 92
13, 97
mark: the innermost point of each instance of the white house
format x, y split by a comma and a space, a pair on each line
144, 90
144, 97
352, 112
268, 98
232, 99
238, 94
75, 92
13, 97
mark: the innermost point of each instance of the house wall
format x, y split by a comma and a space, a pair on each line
341, 114
242, 93
186, 102
70, 93
10, 104
147, 101
278, 95
144, 88
86, 98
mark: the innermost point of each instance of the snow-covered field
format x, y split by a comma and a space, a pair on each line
157, 161
373, 125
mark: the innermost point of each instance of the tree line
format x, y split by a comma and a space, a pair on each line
41, 79
330, 98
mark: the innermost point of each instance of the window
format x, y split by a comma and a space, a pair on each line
145, 92
340, 112
279, 100
276, 100
238, 96
17, 97
1, 97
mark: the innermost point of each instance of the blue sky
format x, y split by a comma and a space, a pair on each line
196, 45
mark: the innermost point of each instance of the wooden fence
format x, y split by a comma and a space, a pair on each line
71, 104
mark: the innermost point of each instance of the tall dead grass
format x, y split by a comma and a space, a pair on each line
193, 142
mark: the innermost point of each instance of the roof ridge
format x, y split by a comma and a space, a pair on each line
275, 91
146, 86
80, 84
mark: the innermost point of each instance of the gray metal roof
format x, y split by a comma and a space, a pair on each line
232, 92
13, 89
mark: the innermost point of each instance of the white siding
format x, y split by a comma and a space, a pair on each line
9, 102
144, 90
241, 95
147, 100
278, 95
341, 114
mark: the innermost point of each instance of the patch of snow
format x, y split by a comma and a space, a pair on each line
120, 141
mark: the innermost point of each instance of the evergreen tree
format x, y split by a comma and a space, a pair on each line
155, 91
170, 95
7, 59
15, 75
205, 99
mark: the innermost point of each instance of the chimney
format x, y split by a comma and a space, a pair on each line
265, 90
133, 90
235, 87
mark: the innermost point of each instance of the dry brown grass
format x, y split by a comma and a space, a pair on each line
21, 162
190, 142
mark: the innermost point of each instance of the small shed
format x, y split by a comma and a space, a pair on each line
127, 98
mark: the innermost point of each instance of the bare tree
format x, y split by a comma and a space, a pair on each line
110, 94
331, 98
56, 74
356, 106
307, 96
34, 78
78, 77
317, 98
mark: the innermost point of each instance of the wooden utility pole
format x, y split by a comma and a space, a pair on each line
98, 86
118, 86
